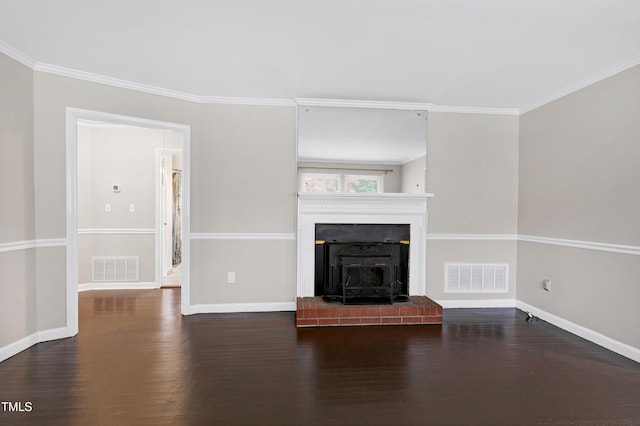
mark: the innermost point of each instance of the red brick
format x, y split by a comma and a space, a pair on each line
329, 321
370, 320
306, 322
391, 320
411, 320
386, 311
349, 321
372, 312
357, 312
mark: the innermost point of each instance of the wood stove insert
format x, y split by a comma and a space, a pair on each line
362, 263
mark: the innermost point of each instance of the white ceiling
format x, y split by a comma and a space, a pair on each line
511, 54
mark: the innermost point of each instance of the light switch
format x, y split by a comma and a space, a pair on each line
132, 208
107, 207
231, 277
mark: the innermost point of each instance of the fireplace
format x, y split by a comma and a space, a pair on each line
361, 209
385, 262
362, 263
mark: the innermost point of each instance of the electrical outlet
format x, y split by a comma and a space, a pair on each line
231, 277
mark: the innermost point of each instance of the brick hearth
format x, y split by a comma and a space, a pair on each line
315, 312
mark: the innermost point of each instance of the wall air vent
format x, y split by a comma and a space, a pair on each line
115, 268
476, 278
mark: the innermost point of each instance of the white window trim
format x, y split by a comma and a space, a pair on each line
341, 176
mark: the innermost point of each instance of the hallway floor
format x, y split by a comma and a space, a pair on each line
137, 361
174, 278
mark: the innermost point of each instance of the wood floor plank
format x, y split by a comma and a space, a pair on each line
137, 361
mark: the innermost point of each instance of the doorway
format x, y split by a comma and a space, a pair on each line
129, 208
169, 167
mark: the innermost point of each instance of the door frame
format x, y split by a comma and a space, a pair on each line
72, 117
160, 212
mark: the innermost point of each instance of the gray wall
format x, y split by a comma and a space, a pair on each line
566, 170
243, 180
472, 168
17, 219
580, 180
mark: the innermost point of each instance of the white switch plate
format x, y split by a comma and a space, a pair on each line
132, 208
107, 207
231, 277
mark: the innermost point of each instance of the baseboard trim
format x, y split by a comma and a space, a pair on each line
118, 286
26, 342
593, 336
225, 308
485, 303
54, 334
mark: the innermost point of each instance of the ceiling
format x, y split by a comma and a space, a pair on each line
509, 54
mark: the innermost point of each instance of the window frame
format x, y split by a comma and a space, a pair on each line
342, 177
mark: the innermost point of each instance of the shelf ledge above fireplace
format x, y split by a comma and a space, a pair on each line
367, 203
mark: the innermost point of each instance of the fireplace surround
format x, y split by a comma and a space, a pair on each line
356, 208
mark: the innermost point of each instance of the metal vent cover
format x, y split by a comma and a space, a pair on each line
115, 268
476, 277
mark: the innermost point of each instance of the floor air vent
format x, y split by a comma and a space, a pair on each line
114, 268
476, 278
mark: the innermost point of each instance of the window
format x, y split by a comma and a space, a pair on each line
341, 182
320, 182
354, 183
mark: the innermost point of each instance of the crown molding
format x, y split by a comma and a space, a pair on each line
474, 110
111, 81
145, 88
246, 101
154, 90
346, 103
17, 55
618, 68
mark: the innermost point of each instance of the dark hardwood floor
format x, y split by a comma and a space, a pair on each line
137, 361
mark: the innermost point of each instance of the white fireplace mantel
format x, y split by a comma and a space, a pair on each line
348, 208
